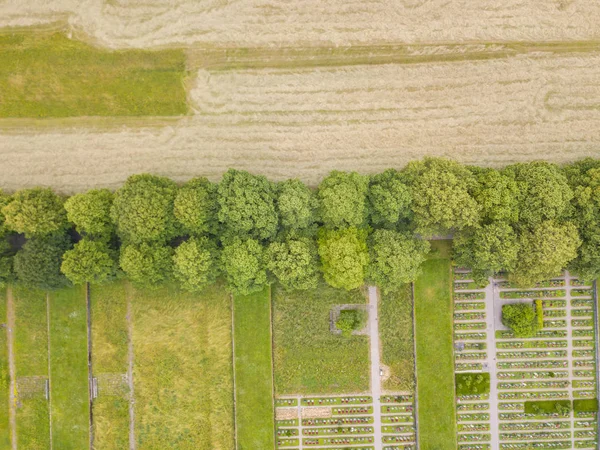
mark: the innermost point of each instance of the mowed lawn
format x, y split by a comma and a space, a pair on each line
46, 74
253, 371
183, 382
31, 360
69, 370
309, 359
4, 376
109, 360
435, 361
396, 335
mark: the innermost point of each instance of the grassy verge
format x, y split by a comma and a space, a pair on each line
4, 376
183, 369
109, 357
31, 360
435, 365
44, 74
309, 359
396, 334
69, 371
253, 371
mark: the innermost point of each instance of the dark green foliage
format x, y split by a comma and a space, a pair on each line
542, 407
143, 209
390, 199
90, 212
344, 257
294, 263
147, 265
244, 266
472, 383
90, 262
247, 205
6, 262
394, 258
37, 264
585, 405
350, 320
196, 206
297, 205
343, 197
35, 212
498, 195
521, 319
196, 264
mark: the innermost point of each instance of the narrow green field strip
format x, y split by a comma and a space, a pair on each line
435, 364
253, 371
46, 74
31, 361
4, 376
183, 375
109, 364
69, 370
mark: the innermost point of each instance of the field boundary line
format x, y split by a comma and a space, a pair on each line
89, 358
273, 369
129, 318
49, 370
416, 390
12, 370
235, 442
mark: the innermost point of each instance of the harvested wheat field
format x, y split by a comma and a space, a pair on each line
149, 23
305, 122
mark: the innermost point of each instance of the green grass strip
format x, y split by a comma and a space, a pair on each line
4, 376
253, 371
69, 371
435, 364
46, 74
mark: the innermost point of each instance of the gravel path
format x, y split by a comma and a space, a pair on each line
491, 362
375, 367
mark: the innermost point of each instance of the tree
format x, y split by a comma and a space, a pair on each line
247, 205
390, 199
294, 263
6, 262
395, 259
90, 212
521, 318
143, 209
297, 205
35, 212
442, 199
544, 252
196, 264
545, 193
244, 265
344, 257
147, 265
498, 196
350, 320
37, 264
4, 200
343, 197
90, 262
196, 207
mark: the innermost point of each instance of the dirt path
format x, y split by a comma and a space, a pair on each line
130, 371
10, 315
49, 371
89, 356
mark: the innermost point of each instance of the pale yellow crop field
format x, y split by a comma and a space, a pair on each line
304, 122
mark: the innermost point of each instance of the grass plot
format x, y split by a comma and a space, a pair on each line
4, 377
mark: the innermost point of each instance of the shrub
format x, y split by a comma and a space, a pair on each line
35, 212
472, 383
350, 320
521, 318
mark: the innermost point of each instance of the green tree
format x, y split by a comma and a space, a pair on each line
297, 205
247, 205
343, 197
244, 266
143, 209
498, 196
6, 262
344, 257
350, 320
390, 199
35, 212
442, 199
90, 262
294, 263
521, 319
148, 265
395, 259
196, 264
37, 263
196, 207
90, 212
544, 252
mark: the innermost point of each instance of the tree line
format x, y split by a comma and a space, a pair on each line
528, 219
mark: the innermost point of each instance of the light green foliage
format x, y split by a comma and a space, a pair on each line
498, 195
343, 197
394, 258
521, 319
196, 206
545, 194
244, 266
35, 212
147, 265
196, 264
294, 263
143, 209
89, 262
247, 205
389, 199
37, 264
90, 212
350, 320
297, 205
472, 383
544, 252
4, 200
442, 199
344, 257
